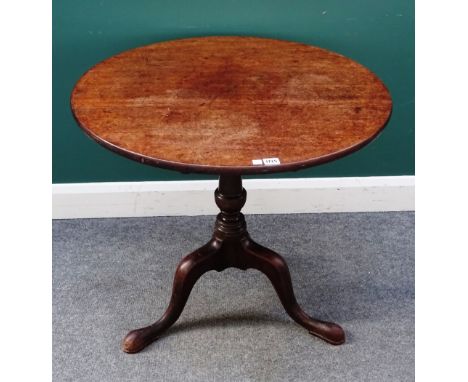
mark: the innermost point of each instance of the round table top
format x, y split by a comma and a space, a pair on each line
231, 105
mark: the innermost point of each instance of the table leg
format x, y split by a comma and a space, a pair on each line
231, 246
189, 270
276, 269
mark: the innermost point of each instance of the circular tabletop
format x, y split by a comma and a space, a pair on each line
231, 105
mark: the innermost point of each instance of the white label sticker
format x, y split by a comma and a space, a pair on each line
271, 161
257, 162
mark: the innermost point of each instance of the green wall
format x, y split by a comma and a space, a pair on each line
377, 33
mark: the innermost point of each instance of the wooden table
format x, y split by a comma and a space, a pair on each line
231, 106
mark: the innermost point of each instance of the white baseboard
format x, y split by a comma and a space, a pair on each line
264, 196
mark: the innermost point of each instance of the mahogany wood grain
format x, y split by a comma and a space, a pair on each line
214, 104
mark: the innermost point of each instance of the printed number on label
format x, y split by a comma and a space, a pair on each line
271, 161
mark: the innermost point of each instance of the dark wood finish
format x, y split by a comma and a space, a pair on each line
231, 246
214, 104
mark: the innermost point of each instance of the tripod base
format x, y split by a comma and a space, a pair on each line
231, 246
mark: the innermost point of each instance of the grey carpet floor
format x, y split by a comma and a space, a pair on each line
114, 275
